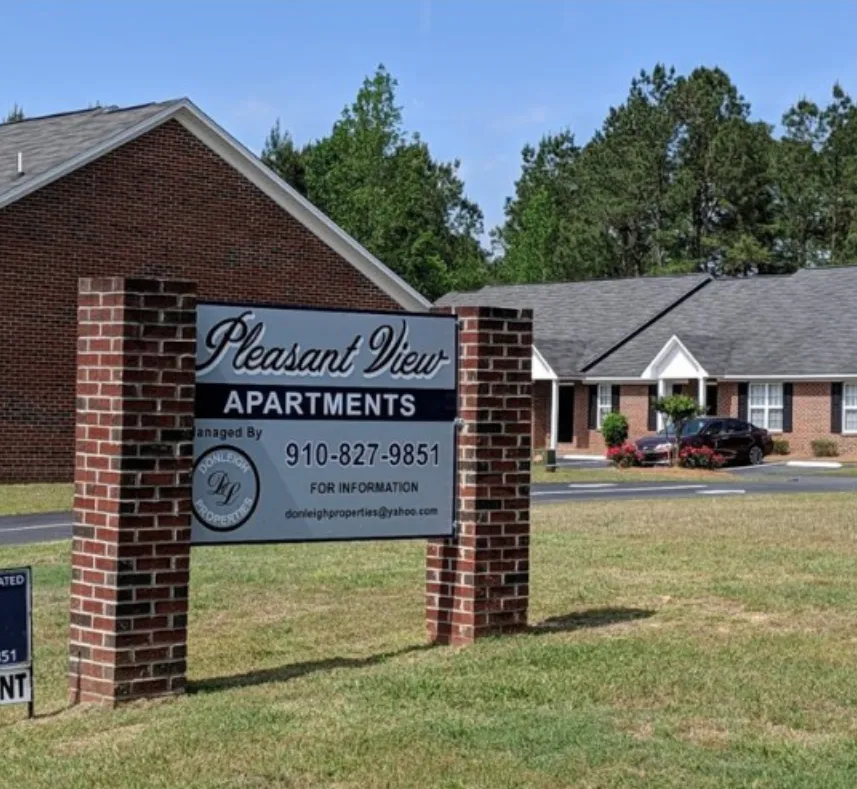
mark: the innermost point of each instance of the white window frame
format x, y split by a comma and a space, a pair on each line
600, 411
846, 409
767, 407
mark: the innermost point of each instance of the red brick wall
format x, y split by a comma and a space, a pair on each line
163, 205
810, 415
131, 543
477, 583
633, 402
541, 414
811, 419
727, 399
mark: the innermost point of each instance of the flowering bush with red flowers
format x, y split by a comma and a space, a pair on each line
625, 455
700, 457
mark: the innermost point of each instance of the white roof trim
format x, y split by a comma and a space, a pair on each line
249, 165
790, 377
612, 379
252, 168
651, 372
538, 359
69, 165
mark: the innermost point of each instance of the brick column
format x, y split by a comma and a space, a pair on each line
478, 583
131, 546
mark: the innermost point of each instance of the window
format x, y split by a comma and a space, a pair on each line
715, 429
693, 426
849, 408
766, 406
605, 402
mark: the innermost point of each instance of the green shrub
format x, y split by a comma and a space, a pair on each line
614, 428
825, 448
781, 446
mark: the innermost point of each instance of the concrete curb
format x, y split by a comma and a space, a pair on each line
814, 464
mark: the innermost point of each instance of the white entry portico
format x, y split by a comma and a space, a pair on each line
542, 371
675, 363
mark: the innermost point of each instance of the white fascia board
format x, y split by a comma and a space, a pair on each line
541, 370
612, 379
790, 377
650, 373
70, 165
262, 176
252, 168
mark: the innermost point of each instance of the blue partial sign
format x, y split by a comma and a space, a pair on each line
15, 636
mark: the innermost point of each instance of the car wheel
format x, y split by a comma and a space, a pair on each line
756, 456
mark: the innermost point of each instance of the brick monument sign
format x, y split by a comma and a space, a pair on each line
136, 379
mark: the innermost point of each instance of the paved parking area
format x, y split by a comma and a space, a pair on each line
772, 478
781, 469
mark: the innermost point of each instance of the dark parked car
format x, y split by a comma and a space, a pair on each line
738, 441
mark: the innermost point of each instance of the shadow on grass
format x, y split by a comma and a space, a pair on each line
579, 620
295, 670
591, 617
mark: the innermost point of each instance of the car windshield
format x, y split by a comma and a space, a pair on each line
691, 428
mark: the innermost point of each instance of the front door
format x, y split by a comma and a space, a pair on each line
711, 399
565, 428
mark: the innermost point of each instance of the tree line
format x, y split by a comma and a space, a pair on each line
678, 178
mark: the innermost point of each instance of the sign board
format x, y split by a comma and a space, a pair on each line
16, 686
16, 636
323, 425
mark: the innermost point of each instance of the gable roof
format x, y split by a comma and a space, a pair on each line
803, 324
55, 145
672, 357
47, 142
576, 323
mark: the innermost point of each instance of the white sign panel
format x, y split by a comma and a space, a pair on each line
323, 425
15, 687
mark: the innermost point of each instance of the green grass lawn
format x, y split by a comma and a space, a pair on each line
706, 644
23, 499
610, 474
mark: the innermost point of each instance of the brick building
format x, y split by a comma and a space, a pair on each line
777, 351
156, 190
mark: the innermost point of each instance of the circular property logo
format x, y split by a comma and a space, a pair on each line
225, 488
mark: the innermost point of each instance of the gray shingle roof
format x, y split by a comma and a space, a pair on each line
575, 322
47, 142
801, 324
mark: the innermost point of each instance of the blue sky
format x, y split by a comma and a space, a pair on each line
477, 78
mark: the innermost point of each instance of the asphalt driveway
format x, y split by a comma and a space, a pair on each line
770, 479
23, 529
722, 484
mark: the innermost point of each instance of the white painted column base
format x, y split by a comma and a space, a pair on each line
554, 413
